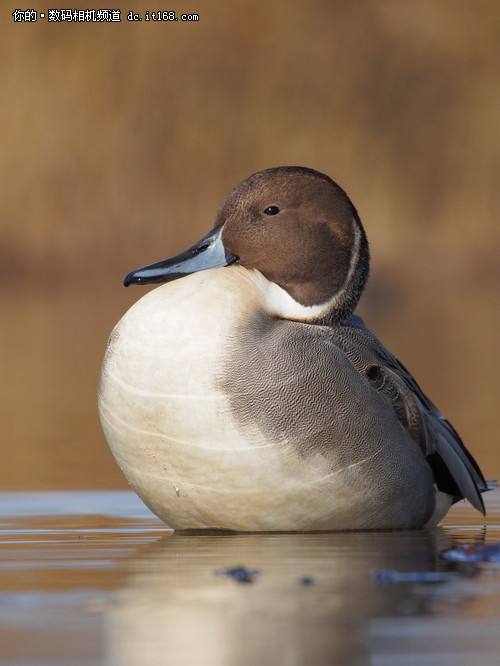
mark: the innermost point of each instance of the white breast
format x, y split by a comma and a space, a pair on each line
170, 427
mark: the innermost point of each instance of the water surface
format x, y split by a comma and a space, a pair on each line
94, 578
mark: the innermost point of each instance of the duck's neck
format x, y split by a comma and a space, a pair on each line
286, 302
344, 301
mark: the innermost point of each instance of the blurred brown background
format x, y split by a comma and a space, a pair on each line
119, 142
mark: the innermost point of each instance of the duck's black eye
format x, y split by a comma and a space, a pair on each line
272, 210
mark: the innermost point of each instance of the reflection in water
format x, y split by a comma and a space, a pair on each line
95, 579
173, 603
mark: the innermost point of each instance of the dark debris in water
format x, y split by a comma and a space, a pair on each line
307, 580
485, 552
240, 574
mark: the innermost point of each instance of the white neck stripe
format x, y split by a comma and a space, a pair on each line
352, 266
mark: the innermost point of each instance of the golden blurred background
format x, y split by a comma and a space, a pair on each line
120, 140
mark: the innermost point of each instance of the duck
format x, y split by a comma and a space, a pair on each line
243, 393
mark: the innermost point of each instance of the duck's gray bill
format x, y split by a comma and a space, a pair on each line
209, 252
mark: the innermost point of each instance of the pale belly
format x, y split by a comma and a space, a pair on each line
171, 429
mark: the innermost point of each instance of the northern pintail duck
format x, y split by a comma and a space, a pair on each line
245, 395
